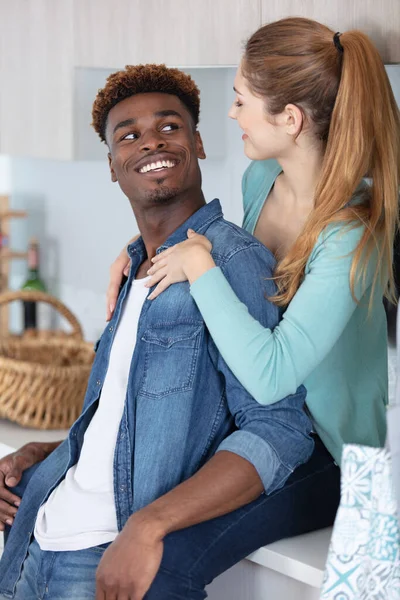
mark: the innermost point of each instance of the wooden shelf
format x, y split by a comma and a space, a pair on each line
13, 214
6, 254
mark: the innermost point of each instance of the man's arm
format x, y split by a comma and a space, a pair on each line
257, 456
245, 464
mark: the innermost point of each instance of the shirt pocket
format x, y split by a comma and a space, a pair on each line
171, 355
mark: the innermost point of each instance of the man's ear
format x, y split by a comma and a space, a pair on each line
199, 146
113, 175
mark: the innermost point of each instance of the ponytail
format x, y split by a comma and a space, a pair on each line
347, 95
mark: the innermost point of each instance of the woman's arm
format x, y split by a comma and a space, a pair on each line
272, 364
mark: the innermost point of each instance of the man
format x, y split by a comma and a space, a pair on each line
173, 472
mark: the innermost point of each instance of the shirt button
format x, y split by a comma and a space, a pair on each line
73, 434
122, 436
122, 488
98, 382
111, 328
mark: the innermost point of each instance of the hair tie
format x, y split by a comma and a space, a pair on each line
337, 43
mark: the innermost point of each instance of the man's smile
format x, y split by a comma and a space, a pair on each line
158, 166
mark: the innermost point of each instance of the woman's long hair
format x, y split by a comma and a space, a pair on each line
345, 96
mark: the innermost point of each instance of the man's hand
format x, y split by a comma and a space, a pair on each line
131, 562
12, 467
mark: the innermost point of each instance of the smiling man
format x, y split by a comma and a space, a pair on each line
172, 473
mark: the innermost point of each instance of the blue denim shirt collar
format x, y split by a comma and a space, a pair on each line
199, 222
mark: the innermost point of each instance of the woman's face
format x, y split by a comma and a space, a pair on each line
264, 135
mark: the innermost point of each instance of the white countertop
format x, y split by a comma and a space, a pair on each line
16, 436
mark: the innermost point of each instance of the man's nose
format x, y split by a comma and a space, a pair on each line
151, 142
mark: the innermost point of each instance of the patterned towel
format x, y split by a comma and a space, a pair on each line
363, 561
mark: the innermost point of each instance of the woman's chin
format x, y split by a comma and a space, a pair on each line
254, 153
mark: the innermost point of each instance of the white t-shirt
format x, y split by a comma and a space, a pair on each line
80, 512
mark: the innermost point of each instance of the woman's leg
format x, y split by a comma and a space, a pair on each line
193, 557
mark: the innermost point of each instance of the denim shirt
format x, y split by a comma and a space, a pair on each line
183, 404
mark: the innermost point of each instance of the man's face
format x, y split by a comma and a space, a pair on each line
154, 148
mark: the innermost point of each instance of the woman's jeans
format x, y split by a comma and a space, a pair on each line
193, 557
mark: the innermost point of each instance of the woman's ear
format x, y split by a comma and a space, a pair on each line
293, 119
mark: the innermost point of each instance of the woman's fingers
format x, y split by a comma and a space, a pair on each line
161, 264
162, 255
156, 277
119, 268
162, 286
117, 271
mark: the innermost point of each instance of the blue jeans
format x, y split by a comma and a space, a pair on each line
193, 557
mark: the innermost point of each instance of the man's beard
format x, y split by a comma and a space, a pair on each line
163, 194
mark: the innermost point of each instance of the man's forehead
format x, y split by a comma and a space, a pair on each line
145, 105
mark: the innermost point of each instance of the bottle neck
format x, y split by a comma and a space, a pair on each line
33, 260
33, 273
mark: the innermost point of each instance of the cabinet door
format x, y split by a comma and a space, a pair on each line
175, 32
380, 19
36, 52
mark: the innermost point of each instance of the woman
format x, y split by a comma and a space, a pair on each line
318, 115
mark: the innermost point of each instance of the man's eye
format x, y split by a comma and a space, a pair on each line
170, 127
130, 136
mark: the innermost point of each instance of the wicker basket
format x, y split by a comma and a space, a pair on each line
43, 379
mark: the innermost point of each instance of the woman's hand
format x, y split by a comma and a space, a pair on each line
185, 261
119, 268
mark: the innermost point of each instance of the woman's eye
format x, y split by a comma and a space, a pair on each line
238, 103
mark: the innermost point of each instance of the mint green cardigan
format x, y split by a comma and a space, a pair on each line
325, 340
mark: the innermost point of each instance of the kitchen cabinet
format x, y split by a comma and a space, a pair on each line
48, 46
380, 19
36, 78
177, 32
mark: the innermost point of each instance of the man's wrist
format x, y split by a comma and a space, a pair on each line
150, 523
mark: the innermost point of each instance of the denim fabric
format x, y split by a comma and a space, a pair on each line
183, 403
193, 557
59, 575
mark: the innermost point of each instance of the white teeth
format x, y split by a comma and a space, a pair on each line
158, 165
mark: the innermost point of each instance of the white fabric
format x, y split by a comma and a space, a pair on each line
80, 512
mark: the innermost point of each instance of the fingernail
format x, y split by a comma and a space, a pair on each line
111, 307
11, 481
150, 297
9, 522
17, 503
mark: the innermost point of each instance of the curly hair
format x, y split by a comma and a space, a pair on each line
143, 79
